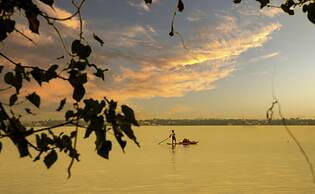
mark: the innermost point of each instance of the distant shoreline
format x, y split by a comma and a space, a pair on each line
200, 122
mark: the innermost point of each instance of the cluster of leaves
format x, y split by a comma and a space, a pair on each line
31, 11
307, 6
99, 116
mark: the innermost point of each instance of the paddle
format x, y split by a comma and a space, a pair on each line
163, 140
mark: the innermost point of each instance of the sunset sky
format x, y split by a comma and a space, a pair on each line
236, 55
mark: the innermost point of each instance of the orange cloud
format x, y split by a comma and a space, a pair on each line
57, 12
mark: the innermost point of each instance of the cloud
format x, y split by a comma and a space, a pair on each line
173, 74
250, 10
197, 15
141, 5
131, 36
144, 67
263, 57
57, 12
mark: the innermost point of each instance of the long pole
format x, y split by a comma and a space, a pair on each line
163, 140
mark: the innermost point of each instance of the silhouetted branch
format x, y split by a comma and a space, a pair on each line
296, 141
25, 36
74, 146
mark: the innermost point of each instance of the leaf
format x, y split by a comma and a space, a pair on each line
61, 105
118, 135
104, 148
0, 146
50, 158
77, 79
287, 9
263, 3
9, 78
84, 52
311, 12
28, 111
34, 99
66, 141
96, 123
78, 93
22, 147
1, 68
129, 115
31, 15
53, 68
13, 99
236, 1
98, 39
180, 5
148, 1
100, 73
75, 46
172, 31
9, 25
73, 134
48, 2
38, 75
69, 114
126, 128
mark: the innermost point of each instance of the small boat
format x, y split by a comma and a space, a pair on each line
185, 142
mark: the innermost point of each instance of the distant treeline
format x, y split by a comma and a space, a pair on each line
197, 122
226, 122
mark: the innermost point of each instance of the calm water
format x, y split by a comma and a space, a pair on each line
229, 159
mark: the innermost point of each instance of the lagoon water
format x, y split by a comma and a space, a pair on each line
228, 159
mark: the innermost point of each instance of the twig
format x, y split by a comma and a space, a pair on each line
74, 146
28, 38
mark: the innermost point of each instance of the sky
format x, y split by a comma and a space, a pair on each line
230, 61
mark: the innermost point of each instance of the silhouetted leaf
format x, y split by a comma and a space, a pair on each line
34, 99
100, 73
50, 158
84, 52
75, 47
263, 3
287, 9
172, 31
66, 141
0, 146
311, 12
129, 115
96, 123
13, 99
37, 75
61, 105
98, 39
126, 128
180, 5
1, 68
104, 148
31, 15
9, 78
77, 79
28, 111
118, 135
69, 114
48, 2
74, 154
61, 57
22, 147
148, 1
73, 134
78, 93
9, 24
236, 1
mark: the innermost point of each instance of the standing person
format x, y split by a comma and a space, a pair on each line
172, 135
